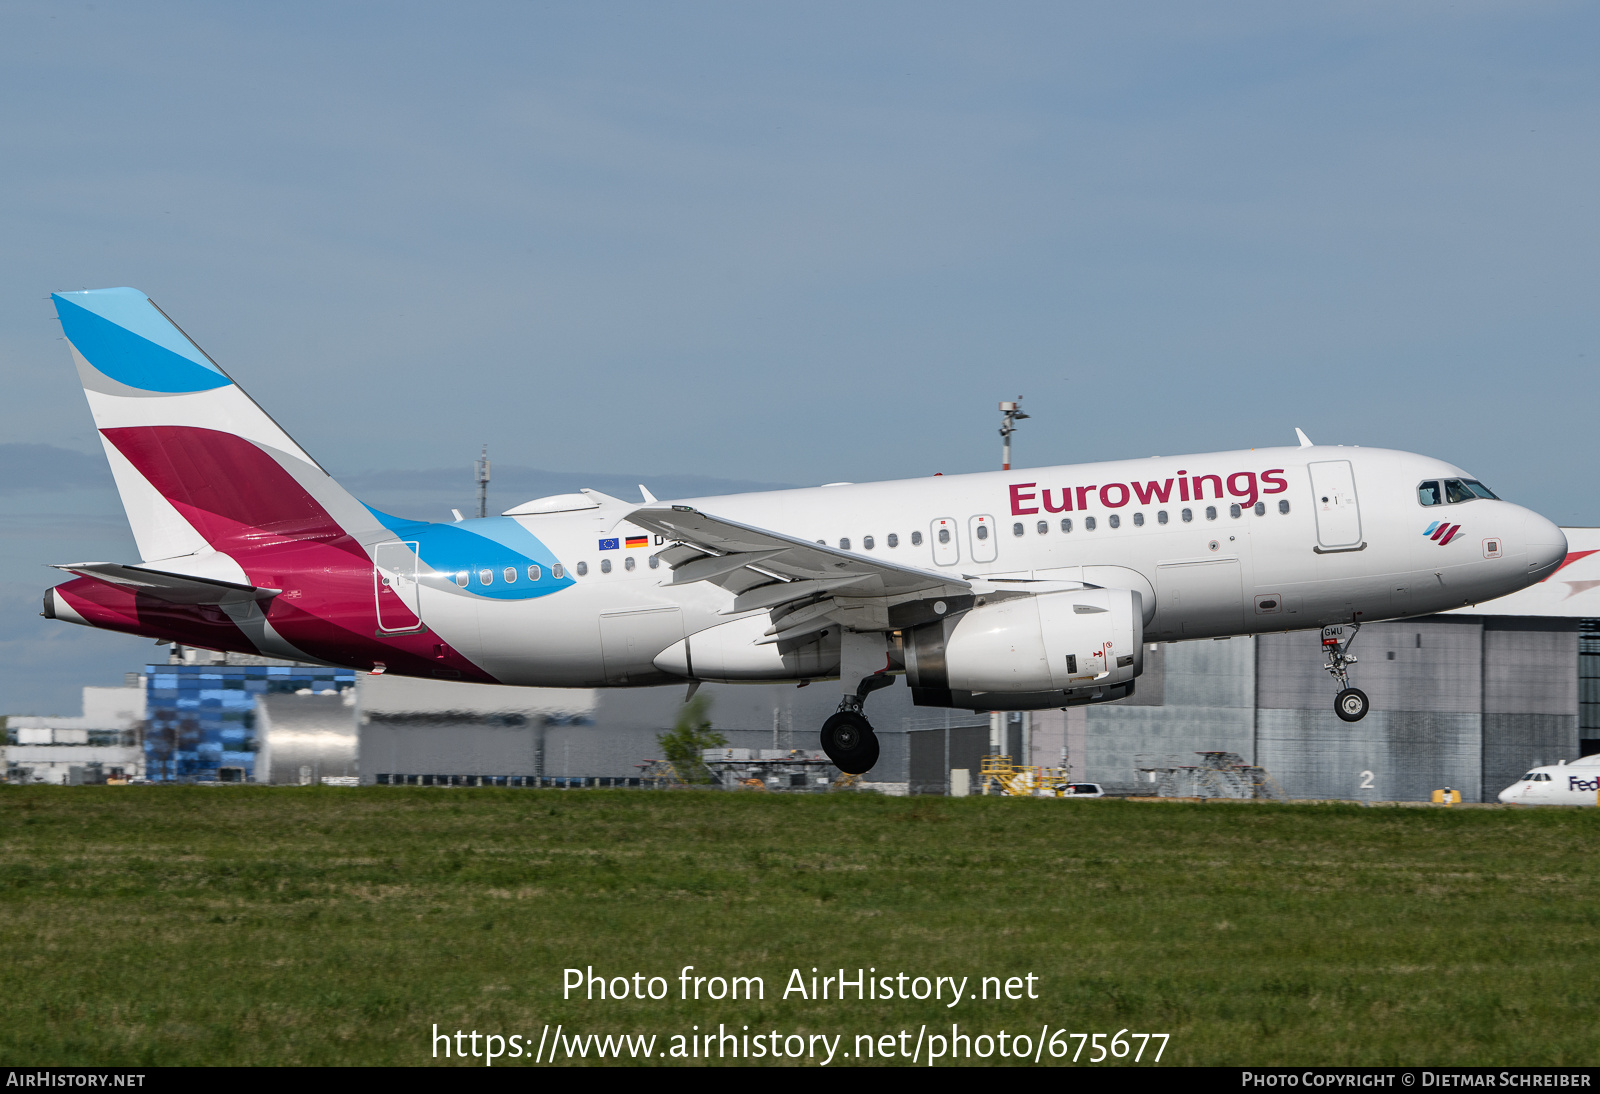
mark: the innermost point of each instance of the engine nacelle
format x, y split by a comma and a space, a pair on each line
1030, 652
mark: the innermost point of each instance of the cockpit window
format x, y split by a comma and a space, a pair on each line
1457, 490
1531, 777
1429, 494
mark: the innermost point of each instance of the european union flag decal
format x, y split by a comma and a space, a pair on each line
609, 545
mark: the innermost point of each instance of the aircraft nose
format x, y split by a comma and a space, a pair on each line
1546, 544
1509, 793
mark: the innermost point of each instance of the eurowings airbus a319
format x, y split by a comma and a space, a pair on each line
1007, 590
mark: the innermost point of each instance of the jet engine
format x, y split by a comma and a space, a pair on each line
1029, 652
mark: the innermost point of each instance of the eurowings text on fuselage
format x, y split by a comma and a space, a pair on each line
1001, 590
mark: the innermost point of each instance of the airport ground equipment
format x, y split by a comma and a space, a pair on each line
776, 769
1000, 776
1217, 775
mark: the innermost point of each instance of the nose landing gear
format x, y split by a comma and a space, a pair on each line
1351, 704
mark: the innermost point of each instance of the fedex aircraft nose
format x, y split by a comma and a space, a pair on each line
1546, 543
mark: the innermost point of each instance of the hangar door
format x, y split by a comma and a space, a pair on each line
1333, 493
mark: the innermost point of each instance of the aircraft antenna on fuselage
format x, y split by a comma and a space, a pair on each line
1305, 442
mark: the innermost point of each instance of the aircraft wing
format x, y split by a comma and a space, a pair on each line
822, 585
176, 588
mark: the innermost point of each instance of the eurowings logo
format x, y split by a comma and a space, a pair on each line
1442, 531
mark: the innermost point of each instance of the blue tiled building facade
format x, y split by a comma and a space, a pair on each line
202, 717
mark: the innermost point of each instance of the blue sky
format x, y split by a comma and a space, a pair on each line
799, 243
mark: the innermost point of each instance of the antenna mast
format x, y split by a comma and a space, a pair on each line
1008, 426
481, 474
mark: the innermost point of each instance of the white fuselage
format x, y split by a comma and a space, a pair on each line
1577, 783
1298, 538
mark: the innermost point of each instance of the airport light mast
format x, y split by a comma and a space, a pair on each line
481, 474
1008, 426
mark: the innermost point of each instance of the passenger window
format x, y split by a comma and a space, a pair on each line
1283, 506
1044, 527
605, 565
1161, 517
1017, 529
844, 544
1116, 521
1261, 508
1234, 511
892, 540
462, 578
944, 535
983, 531
1428, 493
916, 539
1455, 491
1088, 524
627, 563
655, 562
510, 575
867, 543
1138, 520
485, 577
558, 571
583, 569
533, 573
1066, 524
1211, 512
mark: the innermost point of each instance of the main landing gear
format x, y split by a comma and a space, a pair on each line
847, 736
1350, 704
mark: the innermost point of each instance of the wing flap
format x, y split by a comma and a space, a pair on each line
767, 569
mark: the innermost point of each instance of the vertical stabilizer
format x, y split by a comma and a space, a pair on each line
197, 462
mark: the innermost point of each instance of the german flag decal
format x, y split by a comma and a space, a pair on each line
638, 541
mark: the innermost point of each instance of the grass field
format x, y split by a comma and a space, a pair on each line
327, 926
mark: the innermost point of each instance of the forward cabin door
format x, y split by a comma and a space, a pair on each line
394, 584
1333, 493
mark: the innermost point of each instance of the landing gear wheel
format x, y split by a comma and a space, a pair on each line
1351, 704
848, 740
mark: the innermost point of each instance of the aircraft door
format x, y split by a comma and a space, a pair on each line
982, 530
1333, 493
946, 549
394, 584
630, 641
1203, 597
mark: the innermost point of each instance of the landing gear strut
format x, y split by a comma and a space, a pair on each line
1350, 704
847, 736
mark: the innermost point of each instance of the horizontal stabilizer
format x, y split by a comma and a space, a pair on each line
174, 588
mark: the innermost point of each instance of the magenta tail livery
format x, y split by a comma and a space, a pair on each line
1006, 590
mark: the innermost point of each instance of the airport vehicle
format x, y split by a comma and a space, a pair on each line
1008, 590
1575, 783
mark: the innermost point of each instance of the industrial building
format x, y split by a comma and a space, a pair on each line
101, 744
201, 711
